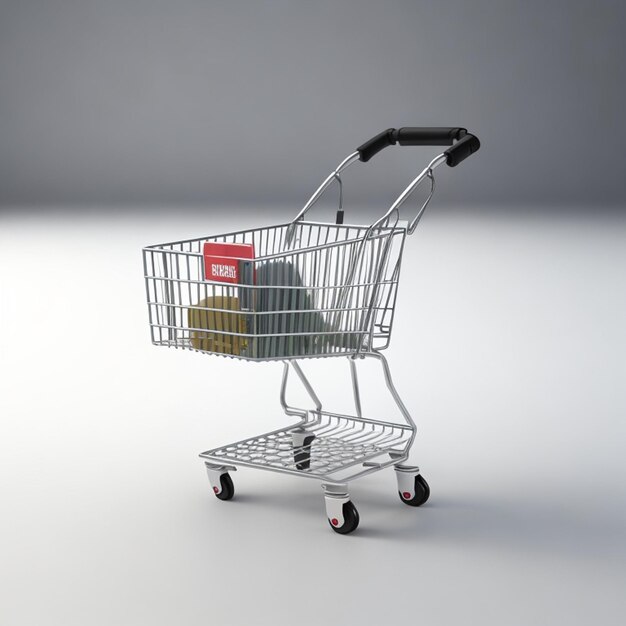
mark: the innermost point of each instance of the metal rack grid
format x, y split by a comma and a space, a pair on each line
341, 443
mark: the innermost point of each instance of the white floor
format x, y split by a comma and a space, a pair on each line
509, 348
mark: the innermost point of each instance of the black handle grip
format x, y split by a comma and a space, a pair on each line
461, 150
423, 136
419, 136
376, 144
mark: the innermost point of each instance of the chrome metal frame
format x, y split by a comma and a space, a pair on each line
344, 446
346, 273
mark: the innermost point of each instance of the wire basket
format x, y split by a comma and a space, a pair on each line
312, 290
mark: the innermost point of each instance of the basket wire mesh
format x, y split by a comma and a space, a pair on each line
330, 291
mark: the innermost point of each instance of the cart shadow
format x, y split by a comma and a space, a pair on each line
545, 526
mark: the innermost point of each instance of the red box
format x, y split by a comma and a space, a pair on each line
222, 261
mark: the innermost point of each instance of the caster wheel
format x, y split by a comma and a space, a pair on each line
422, 492
350, 520
228, 489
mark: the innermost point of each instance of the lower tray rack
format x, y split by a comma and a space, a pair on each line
323, 447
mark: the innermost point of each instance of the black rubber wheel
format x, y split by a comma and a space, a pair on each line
228, 489
422, 492
350, 520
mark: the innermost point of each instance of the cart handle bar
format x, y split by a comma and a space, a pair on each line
466, 143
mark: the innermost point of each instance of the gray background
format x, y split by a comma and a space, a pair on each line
153, 101
126, 123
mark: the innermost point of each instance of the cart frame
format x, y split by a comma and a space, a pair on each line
349, 313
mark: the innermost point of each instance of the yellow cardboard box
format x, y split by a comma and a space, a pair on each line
223, 320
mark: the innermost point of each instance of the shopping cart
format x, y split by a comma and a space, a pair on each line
303, 290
